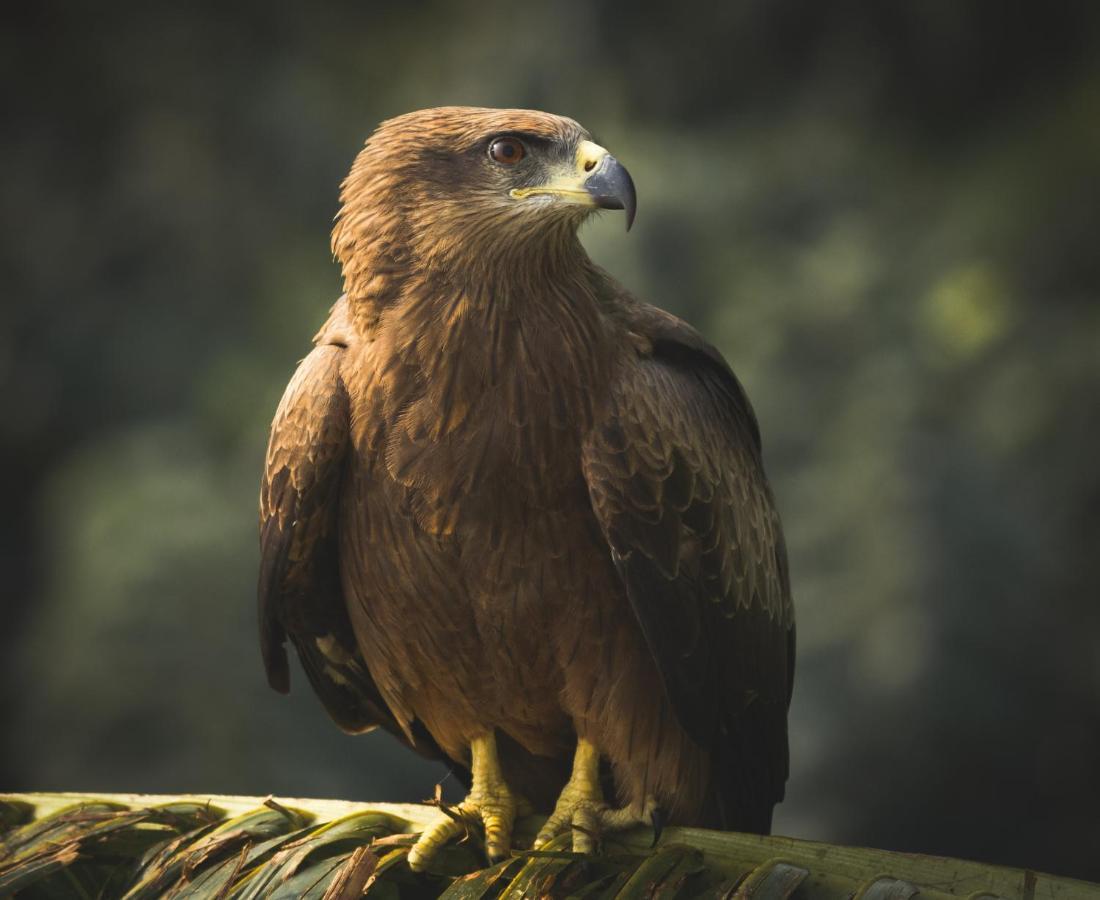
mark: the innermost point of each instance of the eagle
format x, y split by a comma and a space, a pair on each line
517, 517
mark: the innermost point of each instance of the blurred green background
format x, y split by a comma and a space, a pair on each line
887, 216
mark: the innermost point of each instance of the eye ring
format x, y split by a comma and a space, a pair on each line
507, 150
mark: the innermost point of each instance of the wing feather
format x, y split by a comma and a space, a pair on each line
299, 592
676, 480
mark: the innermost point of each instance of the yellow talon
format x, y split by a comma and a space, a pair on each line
581, 806
490, 801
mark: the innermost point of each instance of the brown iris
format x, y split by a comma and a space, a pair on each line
507, 151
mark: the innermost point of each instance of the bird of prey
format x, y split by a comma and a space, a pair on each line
516, 516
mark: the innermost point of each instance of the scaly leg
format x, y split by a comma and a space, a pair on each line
581, 805
490, 800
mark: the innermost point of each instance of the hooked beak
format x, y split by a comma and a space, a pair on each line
611, 186
596, 179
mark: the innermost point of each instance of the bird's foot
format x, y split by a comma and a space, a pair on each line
582, 808
591, 818
490, 804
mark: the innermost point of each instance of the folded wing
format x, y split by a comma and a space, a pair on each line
300, 597
675, 477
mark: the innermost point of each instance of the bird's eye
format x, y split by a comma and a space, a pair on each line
507, 151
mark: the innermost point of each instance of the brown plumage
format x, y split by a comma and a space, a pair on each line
503, 496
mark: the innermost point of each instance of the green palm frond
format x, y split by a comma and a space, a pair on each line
246, 848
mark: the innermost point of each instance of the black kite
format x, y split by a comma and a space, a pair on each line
513, 514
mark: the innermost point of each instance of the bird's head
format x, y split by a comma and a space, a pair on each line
461, 182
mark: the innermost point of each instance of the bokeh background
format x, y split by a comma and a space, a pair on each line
887, 216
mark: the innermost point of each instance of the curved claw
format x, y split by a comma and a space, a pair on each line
659, 818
